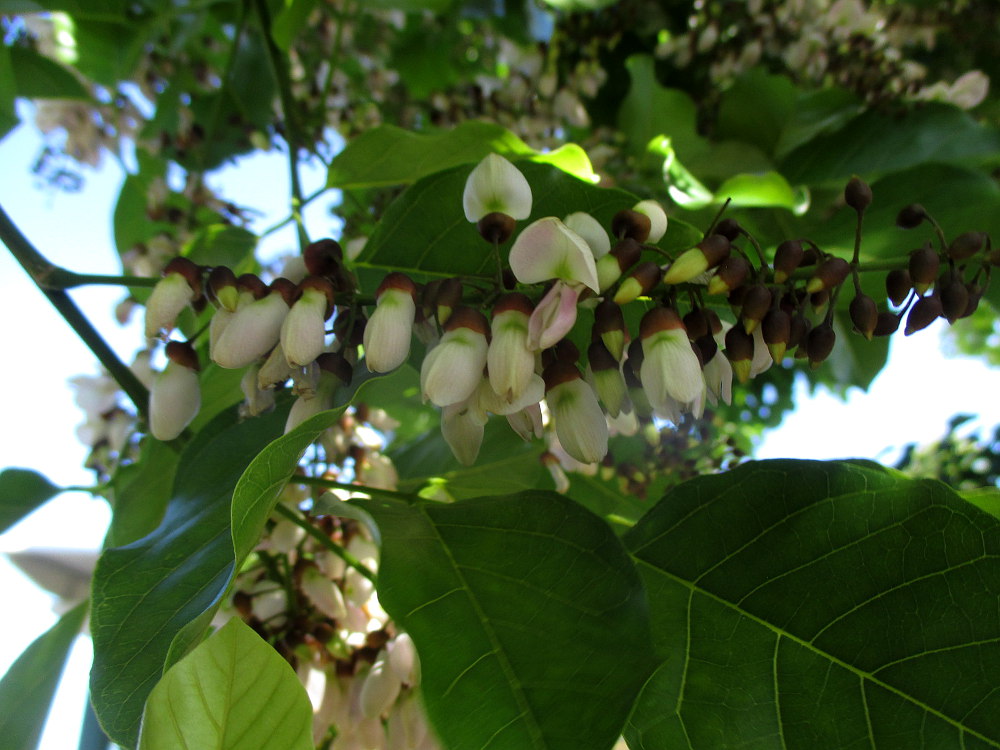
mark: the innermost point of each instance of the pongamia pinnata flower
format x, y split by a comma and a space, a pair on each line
554, 316
591, 231
257, 400
670, 373
527, 422
380, 689
390, 327
707, 254
548, 249
334, 372
451, 371
462, 427
303, 332
324, 594
605, 376
496, 186
175, 398
509, 360
657, 218
404, 660
179, 287
255, 329
579, 422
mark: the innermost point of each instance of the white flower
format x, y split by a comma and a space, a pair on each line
462, 427
670, 373
548, 249
303, 331
579, 422
388, 331
254, 329
451, 371
178, 288
323, 593
509, 360
496, 186
657, 218
175, 398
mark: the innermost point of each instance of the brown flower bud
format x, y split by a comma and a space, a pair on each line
739, 350
756, 303
447, 297
798, 330
857, 194
322, 257
187, 268
777, 331
911, 216
828, 274
696, 323
706, 348
222, 288
729, 228
954, 297
887, 324
631, 224
641, 281
820, 344
924, 266
732, 272
787, 258
183, 354
496, 227
975, 292
898, 285
864, 315
966, 245
609, 327
924, 312
334, 362
249, 282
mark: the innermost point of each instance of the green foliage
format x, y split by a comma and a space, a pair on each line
551, 614
27, 689
39, 77
233, 691
802, 604
21, 491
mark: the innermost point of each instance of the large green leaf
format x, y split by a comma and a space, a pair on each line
233, 692
390, 155
755, 108
8, 93
27, 689
38, 77
801, 604
21, 491
425, 231
141, 493
875, 144
528, 616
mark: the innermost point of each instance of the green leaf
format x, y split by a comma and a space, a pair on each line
576, 6
389, 155
802, 604
233, 692
425, 230
528, 616
141, 493
987, 499
221, 245
769, 189
21, 491
38, 77
290, 20
755, 109
816, 113
875, 144
27, 689
8, 93
410, 6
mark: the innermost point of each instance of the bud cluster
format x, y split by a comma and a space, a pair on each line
520, 349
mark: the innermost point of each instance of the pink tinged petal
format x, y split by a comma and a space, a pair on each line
388, 331
303, 332
554, 316
252, 332
548, 249
591, 231
509, 360
170, 296
670, 373
528, 422
496, 186
657, 219
462, 428
173, 401
452, 370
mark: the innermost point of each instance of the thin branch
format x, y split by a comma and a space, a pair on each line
326, 541
41, 271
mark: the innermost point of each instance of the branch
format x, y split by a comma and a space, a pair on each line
42, 272
326, 541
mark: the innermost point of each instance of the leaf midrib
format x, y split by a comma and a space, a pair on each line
782, 633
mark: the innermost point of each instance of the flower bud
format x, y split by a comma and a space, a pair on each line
254, 329
731, 273
857, 194
379, 691
222, 288
622, 257
579, 422
898, 285
696, 323
496, 186
323, 257
509, 361
179, 287
820, 344
175, 398
756, 303
954, 297
451, 371
887, 324
911, 216
729, 228
496, 228
387, 333
924, 312
923, 267
303, 333
787, 258
447, 297
740, 351
776, 328
828, 274
631, 224
609, 326
966, 245
707, 254
641, 281
606, 378
864, 315
657, 219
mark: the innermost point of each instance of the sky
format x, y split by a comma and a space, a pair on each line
74, 230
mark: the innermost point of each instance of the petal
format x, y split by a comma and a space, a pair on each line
252, 332
591, 231
173, 401
657, 219
496, 185
509, 361
388, 331
463, 431
554, 316
670, 371
580, 424
171, 294
548, 249
452, 370
303, 331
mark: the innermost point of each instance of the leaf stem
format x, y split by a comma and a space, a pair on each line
41, 271
323, 539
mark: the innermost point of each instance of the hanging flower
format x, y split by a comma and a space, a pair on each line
303, 332
579, 422
670, 372
554, 317
179, 287
509, 360
175, 398
255, 329
462, 426
388, 331
452, 370
657, 218
590, 229
334, 371
548, 249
